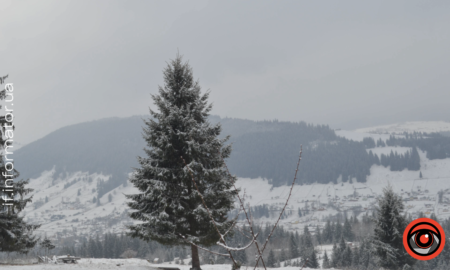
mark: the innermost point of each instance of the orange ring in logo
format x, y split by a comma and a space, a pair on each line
424, 239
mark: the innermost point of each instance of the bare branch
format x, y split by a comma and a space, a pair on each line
246, 215
234, 223
238, 249
202, 248
282, 211
242, 232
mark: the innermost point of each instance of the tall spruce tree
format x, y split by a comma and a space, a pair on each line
169, 206
326, 261
337, 231
327, 234
293, 248
347, 231
388, 233
15, 233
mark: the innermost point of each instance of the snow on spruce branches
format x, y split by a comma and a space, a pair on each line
186, 190
388, 233
169, 207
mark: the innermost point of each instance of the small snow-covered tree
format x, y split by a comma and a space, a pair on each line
169, 207
388, 233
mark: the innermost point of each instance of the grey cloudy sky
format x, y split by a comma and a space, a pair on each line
345, 63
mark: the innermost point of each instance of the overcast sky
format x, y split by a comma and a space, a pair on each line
348, 64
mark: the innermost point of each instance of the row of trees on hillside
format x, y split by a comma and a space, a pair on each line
435, 145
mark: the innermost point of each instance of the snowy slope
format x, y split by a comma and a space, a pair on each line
422, 193
359, 136
409, 127
71, 211
82, 216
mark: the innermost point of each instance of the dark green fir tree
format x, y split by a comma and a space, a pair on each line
388, 233
168, 206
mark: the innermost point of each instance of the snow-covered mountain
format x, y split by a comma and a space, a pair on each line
70, 209
66, 204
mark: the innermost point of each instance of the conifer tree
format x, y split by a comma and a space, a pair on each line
271, 259
15, 233
293, 248
318, 235
346, 260
388, 233
327, 234
312, 259
326, 261
169, 207
365, 255
335, 256
338, 231
347, 231
282, 256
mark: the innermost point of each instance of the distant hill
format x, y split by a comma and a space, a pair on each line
108, 145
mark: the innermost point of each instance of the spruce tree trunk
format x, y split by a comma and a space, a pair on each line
195, 258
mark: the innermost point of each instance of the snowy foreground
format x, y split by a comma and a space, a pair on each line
129, 264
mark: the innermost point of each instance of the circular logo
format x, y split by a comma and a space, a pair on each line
424, 239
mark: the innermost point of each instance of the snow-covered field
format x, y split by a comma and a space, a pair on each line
409, 127
127, 264
359, 136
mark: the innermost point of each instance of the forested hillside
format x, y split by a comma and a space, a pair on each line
267, 149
